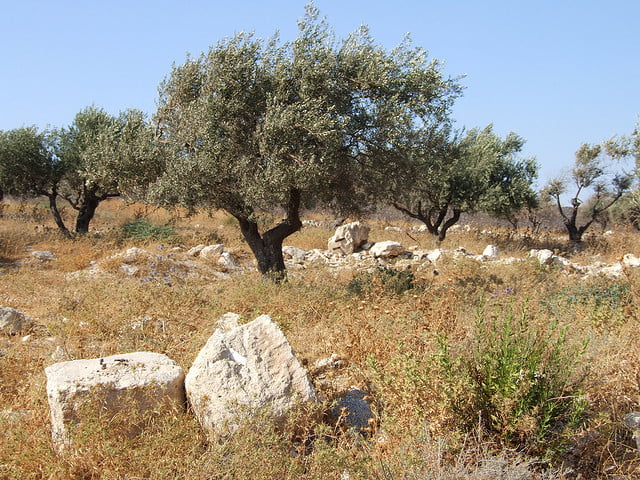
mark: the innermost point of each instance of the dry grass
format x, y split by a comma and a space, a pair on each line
391, 343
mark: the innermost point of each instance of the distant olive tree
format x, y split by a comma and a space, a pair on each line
98, 157
627, 147
30, 166
256, 126
103, 156
589, 174
455, 174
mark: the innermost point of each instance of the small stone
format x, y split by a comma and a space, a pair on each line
212, 251
227, 261
42, 255
12, 321
354, 410
195, 251
490, 252
630, 260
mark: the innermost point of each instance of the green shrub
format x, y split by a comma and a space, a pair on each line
385, 279
143, 230
516, 380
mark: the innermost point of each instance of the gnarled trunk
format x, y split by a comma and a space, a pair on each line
86, 212
267, 248
53, 207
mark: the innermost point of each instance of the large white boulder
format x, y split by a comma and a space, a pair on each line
347, 238
386, 249
131, 382
239, 371
12, 321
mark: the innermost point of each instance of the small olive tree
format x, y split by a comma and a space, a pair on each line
104, 156
588, 174
30, 166
465, 173
256, 126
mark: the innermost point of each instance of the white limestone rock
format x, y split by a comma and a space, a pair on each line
294, 254
544, 256
387, 249
242, 370
227, 261
630, 260
195, 251
212, 251
42, 255
490, 252
131, 382
348, 238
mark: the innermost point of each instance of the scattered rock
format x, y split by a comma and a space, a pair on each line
212, 251
42, 255
332, 362
354, 410
632, 422
293, 253
434, 255
490, 252
12, 321
242, 370
195, 251
544, 256
227, 261
387, 249
630, 260
132, 382
348, 238
129, 270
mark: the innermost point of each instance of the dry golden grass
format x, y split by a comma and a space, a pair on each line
391, 343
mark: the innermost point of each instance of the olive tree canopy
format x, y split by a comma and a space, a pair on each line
258, 125
453, 173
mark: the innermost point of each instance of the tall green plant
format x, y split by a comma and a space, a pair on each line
517, 380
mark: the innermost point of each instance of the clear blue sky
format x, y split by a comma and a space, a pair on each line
558, 73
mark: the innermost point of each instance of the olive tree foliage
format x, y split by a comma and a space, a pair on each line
255, 126
104, 156
589, 174
30, 166
621, 148
97, 157
457, 173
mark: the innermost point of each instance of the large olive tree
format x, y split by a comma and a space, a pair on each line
453, 173
259, 126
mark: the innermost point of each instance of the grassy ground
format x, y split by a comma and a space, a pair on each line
477, 372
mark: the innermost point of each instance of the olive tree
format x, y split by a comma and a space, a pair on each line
589, 174
97, 157
255, 126
30, 166
456, 173
104, 156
